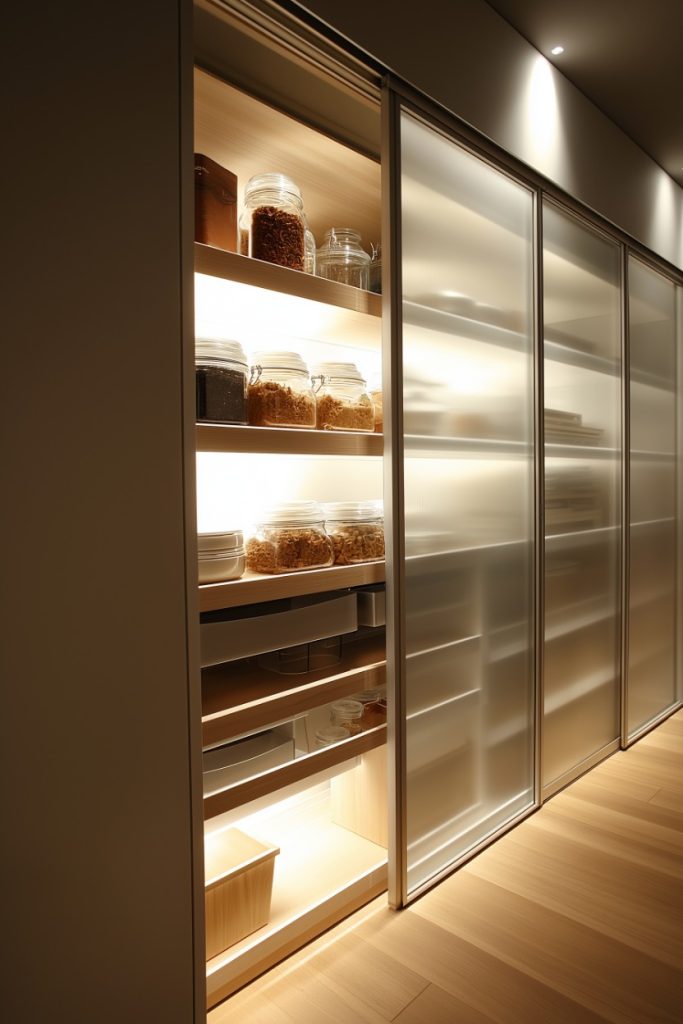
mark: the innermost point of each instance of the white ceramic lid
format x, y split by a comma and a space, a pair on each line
280, 361
211, 544
352, 511
220, 350
293, 513
339, 371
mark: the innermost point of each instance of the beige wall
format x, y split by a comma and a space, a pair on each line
97, 913
466, 57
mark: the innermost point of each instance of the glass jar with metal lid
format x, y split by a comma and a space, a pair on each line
342, 258
280, 393
356, 529
342, 401
290, 537
272, 224
221, 380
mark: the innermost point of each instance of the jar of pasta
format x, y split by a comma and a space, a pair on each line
272, 224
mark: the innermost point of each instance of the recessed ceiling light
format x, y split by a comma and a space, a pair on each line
557, 50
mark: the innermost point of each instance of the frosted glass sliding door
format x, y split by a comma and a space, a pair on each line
468, 499
651, 684
582, 413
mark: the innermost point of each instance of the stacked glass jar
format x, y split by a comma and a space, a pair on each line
280, 393
290, 537
221, 380
356, 529
342, 258
342, 401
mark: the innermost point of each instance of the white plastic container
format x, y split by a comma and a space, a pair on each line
220, 556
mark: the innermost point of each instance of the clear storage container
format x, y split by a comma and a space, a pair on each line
220, 556
347, 714
356, 529
280, 393
375, 270
221, 380
290, 537
342, 258
272, 225
342, 401
332, 734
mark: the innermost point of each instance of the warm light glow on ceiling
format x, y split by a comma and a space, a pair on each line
557, 50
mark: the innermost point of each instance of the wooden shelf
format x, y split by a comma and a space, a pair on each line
241, 697
253, 588
230, 266
294, 771
219, 437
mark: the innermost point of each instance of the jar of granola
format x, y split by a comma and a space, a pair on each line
347, 714
290, 537
356, 529
342, 401
280, 393
272, 225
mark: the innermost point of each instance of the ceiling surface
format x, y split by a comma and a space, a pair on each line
624, 55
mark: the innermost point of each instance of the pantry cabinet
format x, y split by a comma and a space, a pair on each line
495, 649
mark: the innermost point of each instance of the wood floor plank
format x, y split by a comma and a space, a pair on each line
607, 977
669, 799
614, 833
482, 981
629, 903
434, 1006
635, 807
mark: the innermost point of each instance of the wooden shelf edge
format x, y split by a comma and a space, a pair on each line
231, 723
223, 978
223, 437
255, 588
231, 266
293, 771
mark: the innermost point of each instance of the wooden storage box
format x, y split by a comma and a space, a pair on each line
237, 888
215, 204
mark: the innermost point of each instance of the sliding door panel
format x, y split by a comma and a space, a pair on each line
468, 499
651, 686
582, 414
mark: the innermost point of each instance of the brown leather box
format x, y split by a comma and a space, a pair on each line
215, 204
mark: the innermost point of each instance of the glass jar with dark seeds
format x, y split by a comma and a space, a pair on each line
221, 379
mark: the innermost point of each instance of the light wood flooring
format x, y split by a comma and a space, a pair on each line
575, 916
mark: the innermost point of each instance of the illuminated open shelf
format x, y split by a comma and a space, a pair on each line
242, 697
230, 266
323, 872
219, 437
254, 587
292, 772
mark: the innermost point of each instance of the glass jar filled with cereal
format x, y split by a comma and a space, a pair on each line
290, 537
356, 529
280, 393
342, 401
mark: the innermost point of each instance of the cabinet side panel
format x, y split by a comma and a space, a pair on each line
97, 910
